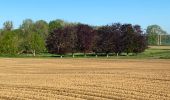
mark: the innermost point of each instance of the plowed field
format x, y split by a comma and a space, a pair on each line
92, 79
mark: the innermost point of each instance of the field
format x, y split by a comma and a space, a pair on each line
92, 79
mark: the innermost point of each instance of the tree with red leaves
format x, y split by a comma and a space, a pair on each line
85, 35
56, 41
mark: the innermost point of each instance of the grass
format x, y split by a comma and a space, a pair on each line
153, 52
160, 52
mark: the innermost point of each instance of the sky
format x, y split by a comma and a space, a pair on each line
93, 12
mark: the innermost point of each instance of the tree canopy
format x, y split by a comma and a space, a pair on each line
153, 31
61, 37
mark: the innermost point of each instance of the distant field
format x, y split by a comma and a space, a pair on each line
93, 79
160, 47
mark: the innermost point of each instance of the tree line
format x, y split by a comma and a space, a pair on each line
60, 37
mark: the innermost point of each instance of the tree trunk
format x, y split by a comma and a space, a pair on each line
107, 55
85, 54
96, 54
73, 55
58, 49
117, 54
127, 54
34, 53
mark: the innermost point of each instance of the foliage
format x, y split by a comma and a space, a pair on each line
85, 35
104, 40
60, 37
128, 38
119, 38
8, 25
56, 41
27, 26
72, 39
140, 40
55, 24
33, 36
152, 32
41, 27
9, 42
36, 43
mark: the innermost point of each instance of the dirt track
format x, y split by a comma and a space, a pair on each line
84, 79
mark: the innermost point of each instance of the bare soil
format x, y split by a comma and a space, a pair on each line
94, 79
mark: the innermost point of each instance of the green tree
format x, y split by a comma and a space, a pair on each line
9, 43
26, 30
33, 36
152, 32
41, 27
56, 24
27, 27
8, 25
36, 43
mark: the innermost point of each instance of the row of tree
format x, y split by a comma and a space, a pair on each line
115, 38
60, 37
29, 38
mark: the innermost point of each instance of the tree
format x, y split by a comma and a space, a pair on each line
27, 26
36, 43
85, 36
55, 24
41, 27
72, 39
8, 25
117, 38
33, 37
56, 42
128, 38
140, 43
152, 32
9, 43
104, 40
140, 40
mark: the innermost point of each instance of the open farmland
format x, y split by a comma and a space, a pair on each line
92, 79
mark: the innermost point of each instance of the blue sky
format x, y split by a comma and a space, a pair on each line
94, 12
